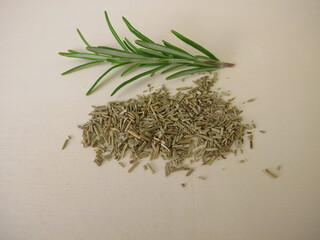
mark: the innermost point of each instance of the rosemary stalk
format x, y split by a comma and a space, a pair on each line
145, 53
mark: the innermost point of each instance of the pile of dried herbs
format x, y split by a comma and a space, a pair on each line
195, 124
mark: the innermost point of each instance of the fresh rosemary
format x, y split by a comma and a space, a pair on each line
146, 53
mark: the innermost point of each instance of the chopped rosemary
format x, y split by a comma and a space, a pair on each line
150, 167
134, 165
121, 164
189, 172
194, 124
65, 143
270, 173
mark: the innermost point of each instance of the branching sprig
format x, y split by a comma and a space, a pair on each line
145, 53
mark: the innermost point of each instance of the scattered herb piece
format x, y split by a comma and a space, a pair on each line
150, 167
251, 141
270, 173
121, 164
189, 172
134, 165
235, 152
65, 143
251, 100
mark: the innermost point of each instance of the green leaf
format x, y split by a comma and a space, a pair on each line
80, 66
134, 48
137, 77
105, 73
82, 38
189, 71
129, 47
151, 53
173, 68
158, 47
72, 51
113, 52
88, 56
169, 45
195, 45
136, 32
131, 68
115, 33
131, 44
203, 58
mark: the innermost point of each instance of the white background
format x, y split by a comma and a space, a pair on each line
46, 193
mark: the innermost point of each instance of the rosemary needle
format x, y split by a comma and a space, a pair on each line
146, 54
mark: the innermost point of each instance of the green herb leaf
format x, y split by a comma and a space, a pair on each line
151, 53
137, 77
195, 45
188, 72
114, 32
72, 51
105, 73
173, 68
131, 68
169, 45
80, 66
136, 32
158, 47
203, 58
113, 52
87, 56
131, 45
82, 38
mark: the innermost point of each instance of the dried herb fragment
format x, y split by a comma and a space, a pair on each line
121, 164
150, 167
65, 143
189, 172
134, 165
270, 173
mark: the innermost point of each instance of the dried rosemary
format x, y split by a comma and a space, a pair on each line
195, 124
66, 142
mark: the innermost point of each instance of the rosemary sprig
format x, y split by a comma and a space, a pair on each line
145, 53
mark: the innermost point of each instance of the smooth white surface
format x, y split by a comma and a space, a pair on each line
46, 193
